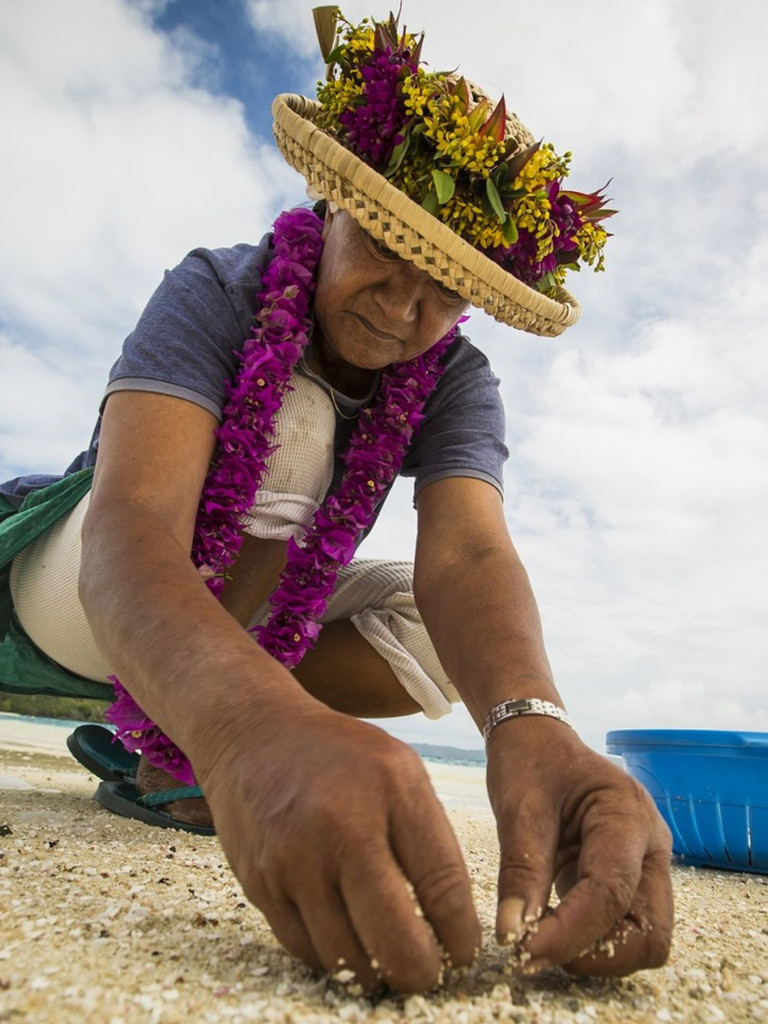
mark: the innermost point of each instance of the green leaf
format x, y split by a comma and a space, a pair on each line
591, 205
547, 283
383, 38
326, 19
444, 185
495, 200
603, 215
509, 194
509, 230
392, 31
335, 55
397, 157
416, 55
477, 116
430, 204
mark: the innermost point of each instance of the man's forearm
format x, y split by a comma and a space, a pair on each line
181, 655
482, 618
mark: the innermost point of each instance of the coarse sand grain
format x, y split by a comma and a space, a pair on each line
106, 920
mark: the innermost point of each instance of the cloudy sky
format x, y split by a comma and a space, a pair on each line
133, 130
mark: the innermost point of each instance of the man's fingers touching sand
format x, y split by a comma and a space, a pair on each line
639, 938
349, 854
597, 834
528, 844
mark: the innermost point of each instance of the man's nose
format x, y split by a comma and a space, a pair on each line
402, 291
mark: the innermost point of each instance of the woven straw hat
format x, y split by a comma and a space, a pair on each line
407, 229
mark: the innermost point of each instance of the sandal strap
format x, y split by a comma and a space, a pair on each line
167, 796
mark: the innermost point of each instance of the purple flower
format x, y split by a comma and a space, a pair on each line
137, 732
374, 127
125, 713
521, 259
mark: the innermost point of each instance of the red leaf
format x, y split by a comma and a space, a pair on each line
461, 89
517, 162
496, 125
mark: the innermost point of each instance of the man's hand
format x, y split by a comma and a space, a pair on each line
565, 815
568, 816
335, 833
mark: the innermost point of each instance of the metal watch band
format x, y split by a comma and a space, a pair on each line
518, 708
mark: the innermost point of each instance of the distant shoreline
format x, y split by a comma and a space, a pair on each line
49, 733
450, 755
42, 705
427, 751
460, 785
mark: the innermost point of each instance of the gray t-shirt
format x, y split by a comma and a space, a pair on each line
186, 344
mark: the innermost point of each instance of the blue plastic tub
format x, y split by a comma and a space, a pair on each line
711, 788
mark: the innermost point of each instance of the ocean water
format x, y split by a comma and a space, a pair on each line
457, 784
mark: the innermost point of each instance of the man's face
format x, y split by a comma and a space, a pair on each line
373, 308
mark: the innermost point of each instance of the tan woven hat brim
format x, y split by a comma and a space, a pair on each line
406, 228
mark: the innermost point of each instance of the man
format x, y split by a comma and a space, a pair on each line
331, 825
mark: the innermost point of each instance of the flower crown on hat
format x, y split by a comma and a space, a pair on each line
439, 139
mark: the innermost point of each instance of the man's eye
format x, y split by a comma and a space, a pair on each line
450, 295
383, 250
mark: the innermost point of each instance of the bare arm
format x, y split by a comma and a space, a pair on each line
565, 815
474, 594
150, 612
322, 817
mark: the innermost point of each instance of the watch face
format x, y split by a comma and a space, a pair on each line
518, 705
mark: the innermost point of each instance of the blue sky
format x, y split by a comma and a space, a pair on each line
133, 131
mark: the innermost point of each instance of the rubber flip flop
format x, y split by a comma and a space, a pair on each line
95, 748
124, 798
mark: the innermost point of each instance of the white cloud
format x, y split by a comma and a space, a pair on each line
639, 507
41, 393
291, 22
114, 165
654, 80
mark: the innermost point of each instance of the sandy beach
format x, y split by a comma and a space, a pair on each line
104, 919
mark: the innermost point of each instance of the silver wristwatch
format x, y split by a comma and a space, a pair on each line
517, 708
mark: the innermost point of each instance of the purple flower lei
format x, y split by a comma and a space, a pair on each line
245, 442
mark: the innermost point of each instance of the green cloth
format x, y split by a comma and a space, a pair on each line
23, 667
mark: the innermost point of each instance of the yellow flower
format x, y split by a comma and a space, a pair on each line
559, 275
591, 239
544, 166
358, 43
449, 127
336, 97
467, 219
532, 213
414, 175
418, 90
